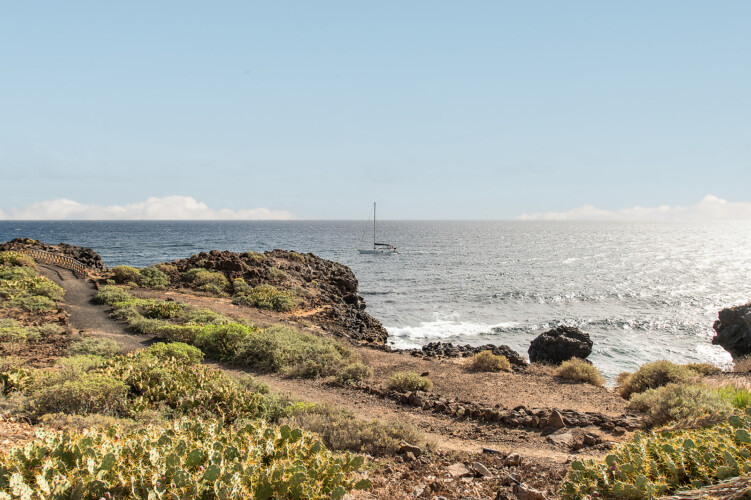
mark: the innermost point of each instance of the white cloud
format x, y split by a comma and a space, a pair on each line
709, 208
166, 208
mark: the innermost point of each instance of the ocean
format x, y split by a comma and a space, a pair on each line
643, 291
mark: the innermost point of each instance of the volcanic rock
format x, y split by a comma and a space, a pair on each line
734, 330
449, 350
85, 256
560, 344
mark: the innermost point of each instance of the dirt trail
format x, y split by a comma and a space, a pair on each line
444, 432
85, 315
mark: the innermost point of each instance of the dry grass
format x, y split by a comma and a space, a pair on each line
580, 371
486, 361
409, 381
654, 375
742, 364
541, 369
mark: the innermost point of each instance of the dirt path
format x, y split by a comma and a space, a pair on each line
85, 315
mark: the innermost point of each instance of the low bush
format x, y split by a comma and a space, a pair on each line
354, 373
293, 353
253, 384
267, 297
222, 341
580, 371
739, 397
125, 274
653, 464
95, 346
13, 331
486, 361
9, 273
408, 381
15, 259
205, 280
240, 286
705, 369
90, 393
653, 375
193, 458
341, 430
164, 309
204, 317
274, 273
153, 277
742, 364
179, 351
255, 256
676, 402
111, 294
31, 303
50, 329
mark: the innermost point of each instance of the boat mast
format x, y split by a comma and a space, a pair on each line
374, 219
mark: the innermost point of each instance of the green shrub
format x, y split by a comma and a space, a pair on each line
125, 274
293, 353
17, 273
267, 297
653, 464
182, 352
15, 259
486, 361
255, 256
194, 458
205, 280
408, 381
654, 375
296, 256
739, 397
354, 373
222, 341
31, 303
341, 430
164, 309
95, 346
50, 329
204, 317
676, 402
91, 393
111, 294
580, 371
153, 277
705, 369
13, 331
72, 367
253, 384
17, 404
275, 273
48, 289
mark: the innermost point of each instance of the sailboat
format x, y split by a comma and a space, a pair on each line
378, 248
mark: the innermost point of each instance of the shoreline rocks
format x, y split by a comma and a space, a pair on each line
559, 345
85, 256
449, 350
733, 330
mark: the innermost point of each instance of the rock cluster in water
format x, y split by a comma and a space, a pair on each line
328, 287
559, 345
734, 330
449, 350
85, 256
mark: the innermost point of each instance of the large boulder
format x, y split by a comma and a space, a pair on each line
734, 330
561, 344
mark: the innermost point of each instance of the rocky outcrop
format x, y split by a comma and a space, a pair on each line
449, 350
85, 256
560, 344
326, 287
734, 330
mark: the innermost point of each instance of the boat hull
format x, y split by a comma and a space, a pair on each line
378, 251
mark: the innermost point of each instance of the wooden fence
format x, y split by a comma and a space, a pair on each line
56, 260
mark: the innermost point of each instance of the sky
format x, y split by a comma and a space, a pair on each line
437, 110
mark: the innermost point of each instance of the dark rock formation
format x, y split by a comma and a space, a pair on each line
85, 256
561, 344
734, 330
330, 288
449, 350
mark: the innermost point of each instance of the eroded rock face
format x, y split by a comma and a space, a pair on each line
559, 345
449, 350
328, 287
734, 330
85, 256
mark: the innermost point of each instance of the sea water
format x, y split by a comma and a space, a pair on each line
643, 291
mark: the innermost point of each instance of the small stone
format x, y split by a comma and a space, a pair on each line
524, 492
513, 460
409, 457
481, 470
555, 420
458, 470
424, 374
405, 447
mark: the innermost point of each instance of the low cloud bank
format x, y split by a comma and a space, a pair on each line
166, 208
709, 208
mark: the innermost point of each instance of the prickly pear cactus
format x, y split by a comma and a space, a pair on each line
654, 464
185, 460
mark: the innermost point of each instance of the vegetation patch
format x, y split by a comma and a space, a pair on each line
486, 361
341, 430
579, 370
153, 277
95, 346
409, 381
705, 369
678, 402
267, 297
654, 375
13, 331
188, 459
654, 464
207, 281
125, 274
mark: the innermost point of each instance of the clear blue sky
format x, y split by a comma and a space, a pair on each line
438, 110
